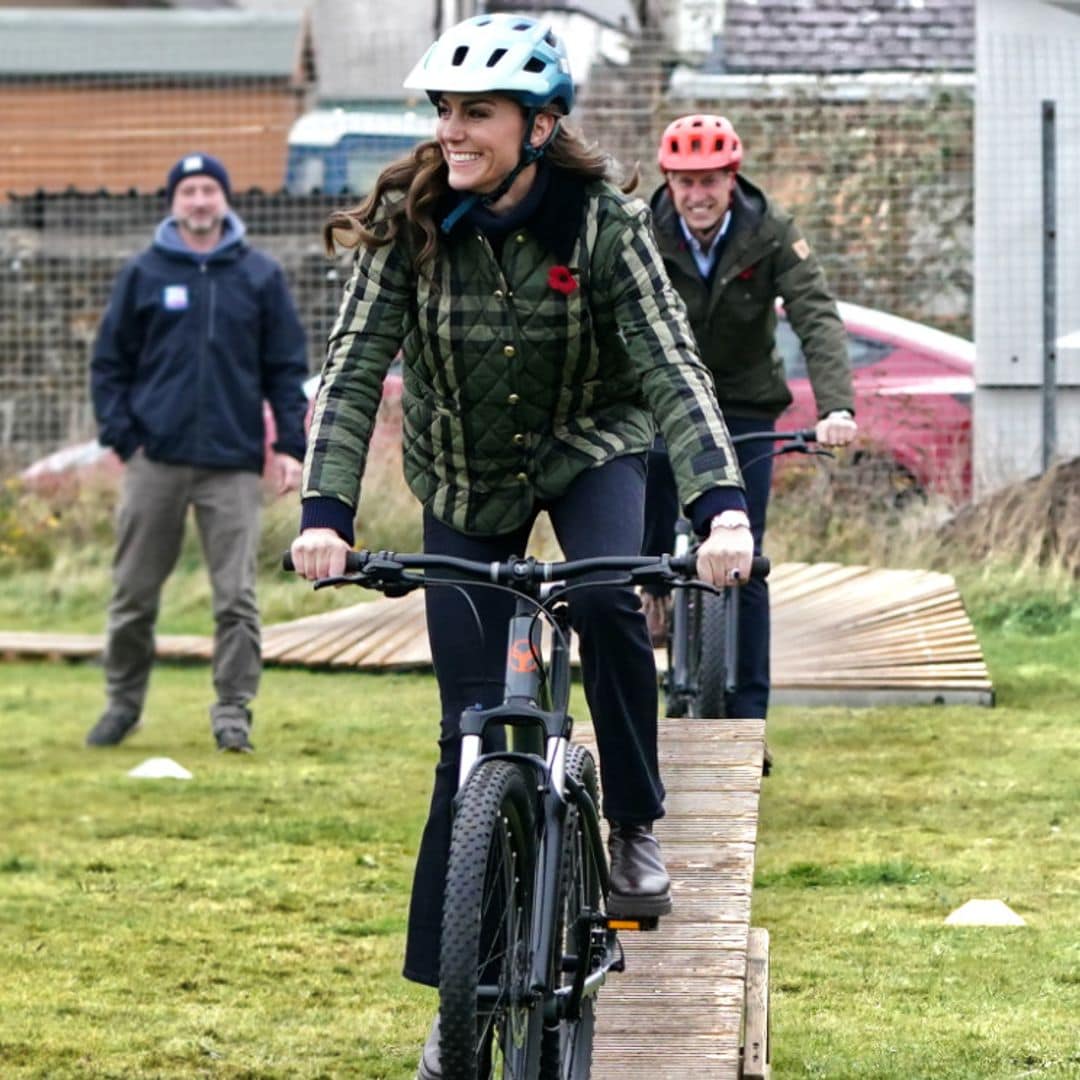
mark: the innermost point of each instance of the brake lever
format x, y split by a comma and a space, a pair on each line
340, 579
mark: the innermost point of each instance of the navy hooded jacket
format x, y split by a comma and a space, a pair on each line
190, 345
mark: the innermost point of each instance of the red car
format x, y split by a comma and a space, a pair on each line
913, 393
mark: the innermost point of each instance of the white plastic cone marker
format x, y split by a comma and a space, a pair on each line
984, 913
160, 768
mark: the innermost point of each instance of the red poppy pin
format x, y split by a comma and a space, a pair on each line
746, 274
561, 280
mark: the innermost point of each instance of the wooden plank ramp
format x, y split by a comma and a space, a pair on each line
679, 1008
849, 635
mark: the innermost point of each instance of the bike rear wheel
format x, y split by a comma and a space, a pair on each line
709, 626
567, 1045
490, 1027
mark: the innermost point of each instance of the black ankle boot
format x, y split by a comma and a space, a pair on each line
640, 885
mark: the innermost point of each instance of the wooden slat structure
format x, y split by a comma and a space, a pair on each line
848, 635
680, 1007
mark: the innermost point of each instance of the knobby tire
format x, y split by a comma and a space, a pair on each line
567, 1047
487, 917
711, 633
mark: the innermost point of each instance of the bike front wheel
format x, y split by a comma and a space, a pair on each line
568, 1044
490, 1025
709, 625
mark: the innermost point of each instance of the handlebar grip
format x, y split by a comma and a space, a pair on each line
760, 566
354, 561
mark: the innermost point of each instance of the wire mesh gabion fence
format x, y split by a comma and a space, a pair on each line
878, 174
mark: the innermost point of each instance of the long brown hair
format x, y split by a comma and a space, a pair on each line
421, 177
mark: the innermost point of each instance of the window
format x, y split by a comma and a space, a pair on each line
862, 351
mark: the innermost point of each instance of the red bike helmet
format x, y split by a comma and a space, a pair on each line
700, 141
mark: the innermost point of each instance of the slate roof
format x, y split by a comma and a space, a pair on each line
766, 36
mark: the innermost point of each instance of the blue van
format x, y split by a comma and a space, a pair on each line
344, 150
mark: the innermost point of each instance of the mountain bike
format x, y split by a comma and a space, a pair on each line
703, 627
527, 941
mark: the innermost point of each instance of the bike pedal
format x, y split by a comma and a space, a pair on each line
649, 922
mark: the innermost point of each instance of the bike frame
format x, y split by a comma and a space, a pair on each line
541, 739
679, 680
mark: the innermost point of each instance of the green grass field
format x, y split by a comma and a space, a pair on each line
249, 922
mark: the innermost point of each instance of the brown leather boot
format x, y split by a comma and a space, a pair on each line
640, 886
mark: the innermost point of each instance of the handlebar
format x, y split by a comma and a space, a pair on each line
803, 435
389, 571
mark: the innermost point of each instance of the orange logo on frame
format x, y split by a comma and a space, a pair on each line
522, 658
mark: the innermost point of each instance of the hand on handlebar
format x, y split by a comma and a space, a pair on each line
836, 429
319, 553
725, 555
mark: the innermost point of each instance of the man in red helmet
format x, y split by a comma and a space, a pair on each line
730, 251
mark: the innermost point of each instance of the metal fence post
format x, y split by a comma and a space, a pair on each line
1049, 199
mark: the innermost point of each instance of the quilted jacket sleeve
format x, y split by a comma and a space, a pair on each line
655, 331
363, 342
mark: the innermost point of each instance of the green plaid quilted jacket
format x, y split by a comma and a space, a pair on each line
512, 385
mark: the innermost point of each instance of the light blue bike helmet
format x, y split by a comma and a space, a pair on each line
511, 54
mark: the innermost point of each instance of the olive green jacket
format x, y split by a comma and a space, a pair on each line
733, 317
511, 385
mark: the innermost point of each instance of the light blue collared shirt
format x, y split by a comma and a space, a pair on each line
705, 257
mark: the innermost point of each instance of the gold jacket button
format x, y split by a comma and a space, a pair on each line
513, 399
519, 439
498, 294
520, 238
509, 350
523, 477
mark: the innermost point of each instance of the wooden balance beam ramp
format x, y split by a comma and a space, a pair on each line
841, 635
693, 1000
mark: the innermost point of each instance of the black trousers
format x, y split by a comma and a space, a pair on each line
751, 696
600, 514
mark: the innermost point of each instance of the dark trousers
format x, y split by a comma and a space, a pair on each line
751, 696
600, 514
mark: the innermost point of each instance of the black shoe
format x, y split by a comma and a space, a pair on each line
114, 726
234, 739
430, 1067
640, 886
766, 762
232, 728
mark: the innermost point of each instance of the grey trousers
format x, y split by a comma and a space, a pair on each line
150, 531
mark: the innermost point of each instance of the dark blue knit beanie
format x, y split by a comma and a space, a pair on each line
196, 165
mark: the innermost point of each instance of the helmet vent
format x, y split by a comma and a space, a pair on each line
495, 57
719, 146
523, 26
695, 146
459, 55
534, 65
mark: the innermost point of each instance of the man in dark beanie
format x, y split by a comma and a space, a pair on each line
200, 328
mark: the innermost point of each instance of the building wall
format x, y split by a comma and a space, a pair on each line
119, 136
1027, 53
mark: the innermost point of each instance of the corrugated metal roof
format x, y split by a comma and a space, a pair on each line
143, 41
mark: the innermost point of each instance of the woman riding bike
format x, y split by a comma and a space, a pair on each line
538, 329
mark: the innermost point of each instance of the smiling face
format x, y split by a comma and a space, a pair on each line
480, 136
702, 198
199, 206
